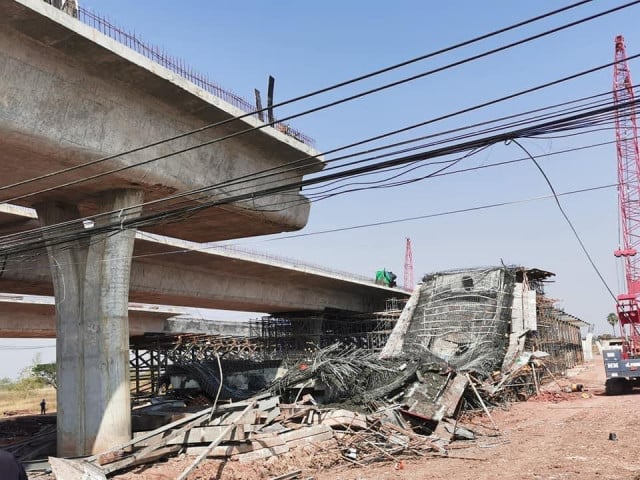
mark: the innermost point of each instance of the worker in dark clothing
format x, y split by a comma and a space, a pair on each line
10, 468
43, 407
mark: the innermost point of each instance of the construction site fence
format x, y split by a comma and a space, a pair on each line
179, 67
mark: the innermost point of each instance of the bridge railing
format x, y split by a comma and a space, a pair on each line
179, 67
295, 263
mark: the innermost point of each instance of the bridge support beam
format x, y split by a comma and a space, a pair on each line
91, 285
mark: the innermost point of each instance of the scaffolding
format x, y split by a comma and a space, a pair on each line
151, 355
558, 334
468, 318
295, 334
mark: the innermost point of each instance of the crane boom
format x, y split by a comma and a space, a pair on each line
628, 194
622, 361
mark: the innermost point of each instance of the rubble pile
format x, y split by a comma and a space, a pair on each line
464, 343
363, 410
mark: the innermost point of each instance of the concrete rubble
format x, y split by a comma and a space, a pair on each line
386, 424
466, 342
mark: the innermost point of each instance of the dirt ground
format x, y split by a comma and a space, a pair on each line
554, 437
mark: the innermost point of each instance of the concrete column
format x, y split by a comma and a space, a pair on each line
91, 285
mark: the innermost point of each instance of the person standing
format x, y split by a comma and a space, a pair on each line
43, 407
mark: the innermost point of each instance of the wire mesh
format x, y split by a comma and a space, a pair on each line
463, 317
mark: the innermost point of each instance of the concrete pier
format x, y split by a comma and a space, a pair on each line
91, 284
70, 96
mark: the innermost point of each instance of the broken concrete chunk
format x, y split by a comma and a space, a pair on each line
64, 469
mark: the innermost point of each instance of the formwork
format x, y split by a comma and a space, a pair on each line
154, 354
479, 320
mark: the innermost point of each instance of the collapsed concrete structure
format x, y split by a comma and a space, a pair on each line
466, 340
480, 320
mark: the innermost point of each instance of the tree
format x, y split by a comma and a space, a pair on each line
46, 372
612, 319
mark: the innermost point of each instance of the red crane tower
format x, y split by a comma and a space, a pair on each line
622, 370
408, 267
628, 189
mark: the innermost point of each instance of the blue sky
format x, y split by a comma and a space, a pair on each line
309, 45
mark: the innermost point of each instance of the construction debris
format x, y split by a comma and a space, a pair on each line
462, 345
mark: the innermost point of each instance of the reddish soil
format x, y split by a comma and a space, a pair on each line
554, 437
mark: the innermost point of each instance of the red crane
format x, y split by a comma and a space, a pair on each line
629, 199
408, 267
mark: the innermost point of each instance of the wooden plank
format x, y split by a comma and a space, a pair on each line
271, 416
288, 476
269, 403
196, 416
226, 451
138, 456
206, 434
259, 105
344, 419
270, 88
262, 453
443, 433
243, 453
395, 342
486, 410
160, 453
316, 433
212, 445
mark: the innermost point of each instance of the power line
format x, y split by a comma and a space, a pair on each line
440, 214
289, 186
306, 112
314, 93
364, 225
545, 127
245, 178
568, 220
73, 224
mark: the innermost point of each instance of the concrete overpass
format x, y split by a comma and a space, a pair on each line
169, 271
70, 95
35, 317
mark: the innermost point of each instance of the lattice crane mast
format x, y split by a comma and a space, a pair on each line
628, 198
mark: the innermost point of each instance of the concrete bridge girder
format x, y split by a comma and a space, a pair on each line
72, 95
174, 272
38, 320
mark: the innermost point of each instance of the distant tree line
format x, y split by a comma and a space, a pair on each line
36, 375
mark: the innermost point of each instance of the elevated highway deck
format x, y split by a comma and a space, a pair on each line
167, 271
